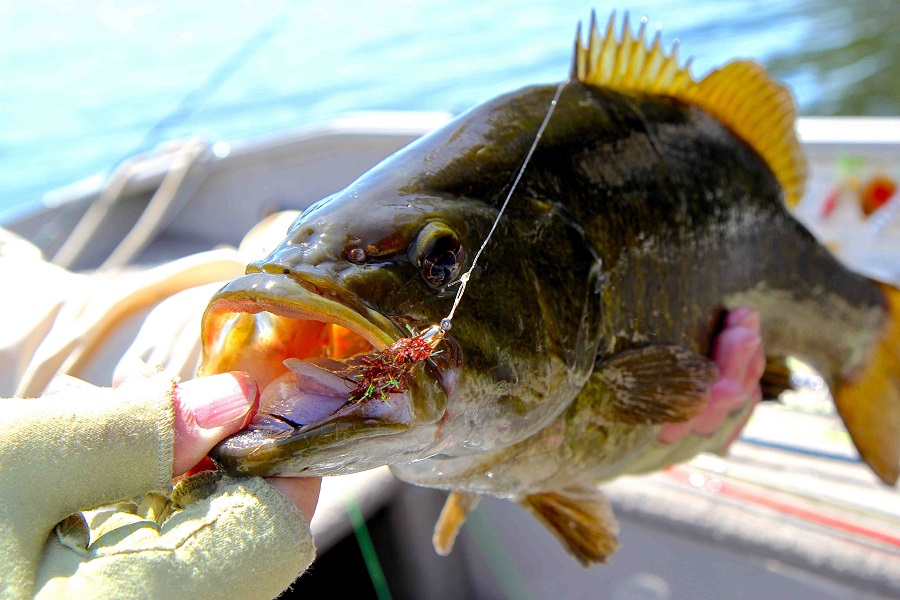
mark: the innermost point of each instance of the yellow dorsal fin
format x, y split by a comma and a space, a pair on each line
741, 95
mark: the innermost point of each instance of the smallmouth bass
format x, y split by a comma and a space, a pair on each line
652, 206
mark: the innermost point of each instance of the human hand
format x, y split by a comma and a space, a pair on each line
79, 447
209, 409
206, 411
738, 353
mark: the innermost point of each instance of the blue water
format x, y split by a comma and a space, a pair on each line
84, 85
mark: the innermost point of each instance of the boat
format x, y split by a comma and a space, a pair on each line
791, 512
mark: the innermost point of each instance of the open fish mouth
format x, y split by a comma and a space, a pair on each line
304, 349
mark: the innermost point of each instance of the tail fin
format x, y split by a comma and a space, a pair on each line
870, 403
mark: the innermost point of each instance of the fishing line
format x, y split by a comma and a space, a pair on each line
446, 322
385, 373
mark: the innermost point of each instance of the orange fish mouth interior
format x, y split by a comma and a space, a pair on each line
304, 369
260, 343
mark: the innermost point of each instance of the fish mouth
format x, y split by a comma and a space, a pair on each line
303, 344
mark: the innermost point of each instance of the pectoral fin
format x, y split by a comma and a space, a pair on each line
662, 383
581, 518
456, 510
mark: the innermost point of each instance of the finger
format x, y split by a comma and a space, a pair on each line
743, 316
755, 369
66, 383
739, 355
302, 491
755, 398
132, 367
207, 410
670, 433
726, 397
205, 464
734, 349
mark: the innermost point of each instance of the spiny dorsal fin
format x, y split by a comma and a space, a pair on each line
741, 95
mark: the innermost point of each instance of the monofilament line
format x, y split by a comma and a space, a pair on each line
464, 279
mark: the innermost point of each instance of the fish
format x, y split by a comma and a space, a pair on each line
651, 205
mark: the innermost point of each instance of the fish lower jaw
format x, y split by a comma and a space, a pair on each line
317, 392
311, 420
328, 449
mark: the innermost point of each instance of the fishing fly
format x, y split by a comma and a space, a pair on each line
380, 374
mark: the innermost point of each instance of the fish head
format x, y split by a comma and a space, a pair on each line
383, 260
348, 280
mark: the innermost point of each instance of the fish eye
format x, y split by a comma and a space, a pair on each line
438, 254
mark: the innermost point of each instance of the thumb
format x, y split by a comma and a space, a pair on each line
207, 410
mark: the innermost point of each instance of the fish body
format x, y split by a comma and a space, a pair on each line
641, 218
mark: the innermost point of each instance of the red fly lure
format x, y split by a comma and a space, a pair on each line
387, 372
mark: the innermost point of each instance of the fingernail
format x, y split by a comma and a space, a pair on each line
733, 351
742, 317
744, 356
219, 399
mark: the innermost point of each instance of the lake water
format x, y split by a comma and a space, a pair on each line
84, 85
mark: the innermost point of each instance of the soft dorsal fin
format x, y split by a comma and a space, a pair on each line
741, 95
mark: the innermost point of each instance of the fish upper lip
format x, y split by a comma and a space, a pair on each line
284, 296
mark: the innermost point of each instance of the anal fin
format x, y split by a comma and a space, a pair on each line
453, 515
660, 383
581, 518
